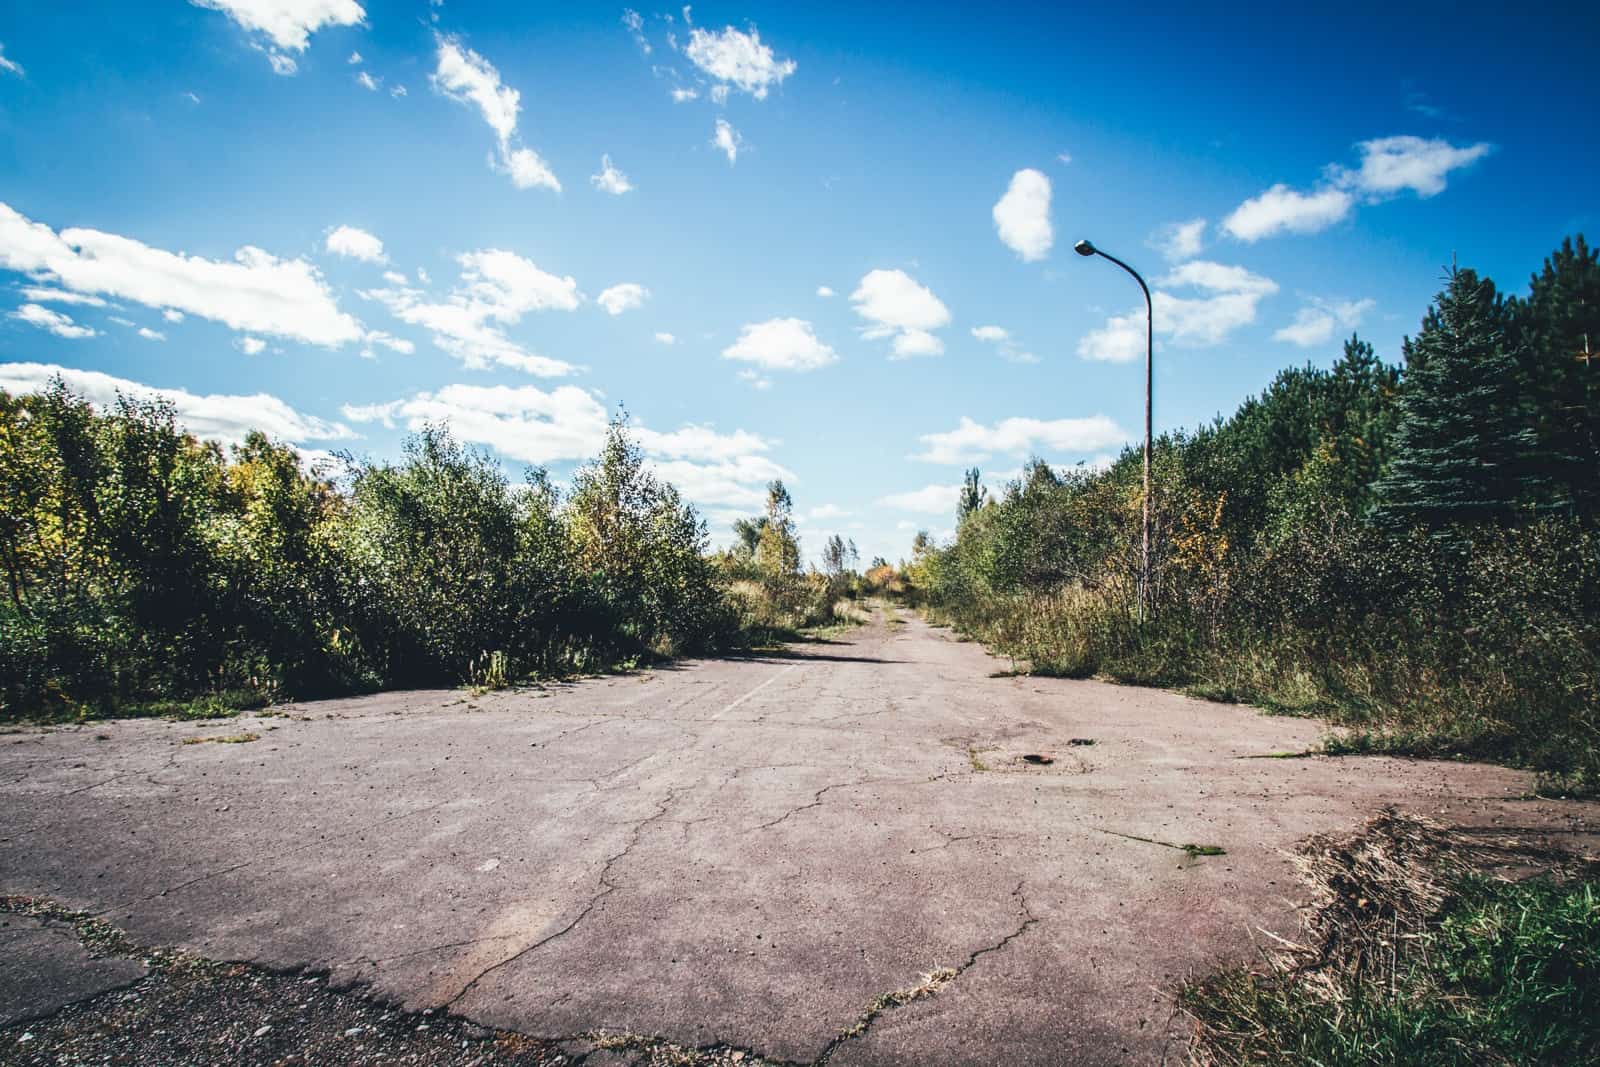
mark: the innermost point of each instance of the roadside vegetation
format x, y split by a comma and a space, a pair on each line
149, 573
1417, 952
1409, 550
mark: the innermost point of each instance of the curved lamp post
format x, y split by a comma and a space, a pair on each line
1085, 248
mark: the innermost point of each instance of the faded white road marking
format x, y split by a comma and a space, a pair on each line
757, 689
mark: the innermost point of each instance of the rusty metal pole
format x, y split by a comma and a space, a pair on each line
1086, 248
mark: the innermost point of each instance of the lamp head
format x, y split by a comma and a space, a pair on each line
1084, 248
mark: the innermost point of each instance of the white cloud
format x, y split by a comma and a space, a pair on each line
739, 483
1233, 294
521, 422
172, 314
496, 289
40, 295
1004, 343
825, 511
1391, 165
736, 58
367, 81
56, 322
217, 417
728, 140
355, 57
567, 423
356, 244
251, 346
824, 292
683, 96
10, 66
1120, 340
394, 277
699, 443
1314, 324
466, 77
1064, 158
780, 344
665, 338
398, 91
1178, 241
257, 292
288, 23
1283, 210
528, 170
622, 297
756, 380
719, 94
1022, 215
1218, 278
895, 305
151, 335
911, 343
610, 179
389, 341
635, 24
929, 500
1230, 300
970, 441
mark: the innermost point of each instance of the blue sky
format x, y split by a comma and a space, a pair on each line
389, 212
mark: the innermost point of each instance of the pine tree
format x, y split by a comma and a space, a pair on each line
1557, 326
1465, 449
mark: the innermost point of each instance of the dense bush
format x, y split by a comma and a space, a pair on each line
144, 567
1412, 552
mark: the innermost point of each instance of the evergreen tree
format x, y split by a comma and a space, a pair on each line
1465, 449
1557, 328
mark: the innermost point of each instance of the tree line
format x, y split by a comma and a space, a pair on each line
146, 570
1409, 548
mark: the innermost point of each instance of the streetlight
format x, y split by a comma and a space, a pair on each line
1085, 248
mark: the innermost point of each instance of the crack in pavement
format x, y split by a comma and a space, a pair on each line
816, 798
607, 887
932, 984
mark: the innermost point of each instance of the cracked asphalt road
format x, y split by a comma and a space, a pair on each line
837, 854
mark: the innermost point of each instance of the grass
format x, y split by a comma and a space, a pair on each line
225, 739
1403, 692
1418, 954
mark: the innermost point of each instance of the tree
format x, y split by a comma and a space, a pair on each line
748, 535
1465, 449
972, 495
1557, 322
643, 546
839, 557
778, 549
